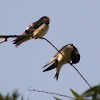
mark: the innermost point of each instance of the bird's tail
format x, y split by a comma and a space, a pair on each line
20, 40
57, 72
57, 66
56, 76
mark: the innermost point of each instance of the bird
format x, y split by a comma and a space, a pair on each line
34, 31
67, 54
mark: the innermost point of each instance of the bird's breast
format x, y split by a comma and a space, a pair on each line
66, 57
41, 31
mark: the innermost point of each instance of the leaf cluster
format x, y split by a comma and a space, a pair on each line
90, 94
14, 96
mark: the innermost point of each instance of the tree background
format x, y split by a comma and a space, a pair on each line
72, 21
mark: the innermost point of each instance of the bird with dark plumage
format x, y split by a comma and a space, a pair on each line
34, 31
67, 54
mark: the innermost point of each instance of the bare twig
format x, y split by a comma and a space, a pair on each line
83, 77
50, 93
8, 36
3, 40
13, 36
80, 75
51, 44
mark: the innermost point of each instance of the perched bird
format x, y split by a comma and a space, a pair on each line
35, 30
67, 54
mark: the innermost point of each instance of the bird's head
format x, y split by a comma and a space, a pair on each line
45, 19
75, 56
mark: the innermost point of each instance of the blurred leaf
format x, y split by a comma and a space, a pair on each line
92, 92
74, 93
57, 98
7, 97
1, 97
77, 96
13, 96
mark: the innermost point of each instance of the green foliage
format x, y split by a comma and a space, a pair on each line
13, 96
90, 94
94, 93
57, 98
77, 96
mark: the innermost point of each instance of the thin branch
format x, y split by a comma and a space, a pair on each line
12, 36
80, 75
3, 40
51, 45
50, 93
9, 36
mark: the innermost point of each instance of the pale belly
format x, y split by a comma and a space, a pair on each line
66, 57
41, 31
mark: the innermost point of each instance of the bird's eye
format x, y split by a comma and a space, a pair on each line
71, 44
44, 19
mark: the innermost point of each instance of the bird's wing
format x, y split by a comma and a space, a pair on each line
24, 38
54, 65
60, 51
55, 57
30, 29
52, 60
